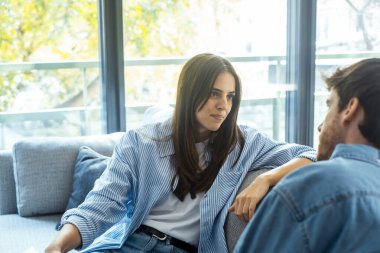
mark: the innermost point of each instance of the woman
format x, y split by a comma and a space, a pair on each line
169, 185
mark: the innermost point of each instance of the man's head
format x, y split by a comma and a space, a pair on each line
354, 107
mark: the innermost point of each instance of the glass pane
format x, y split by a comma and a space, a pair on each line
347, 31
49, 76
160, 37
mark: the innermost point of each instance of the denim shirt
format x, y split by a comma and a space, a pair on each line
329, 206
139, 176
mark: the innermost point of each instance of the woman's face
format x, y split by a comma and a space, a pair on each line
217, 106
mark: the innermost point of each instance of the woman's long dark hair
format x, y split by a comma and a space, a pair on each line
194, 86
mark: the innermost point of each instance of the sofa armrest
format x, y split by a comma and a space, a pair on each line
234, 226
7, 184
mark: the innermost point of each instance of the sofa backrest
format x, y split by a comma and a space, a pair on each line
7, 184
41, 179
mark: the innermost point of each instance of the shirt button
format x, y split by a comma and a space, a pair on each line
205, 223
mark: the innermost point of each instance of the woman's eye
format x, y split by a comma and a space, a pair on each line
230, 97
213, 94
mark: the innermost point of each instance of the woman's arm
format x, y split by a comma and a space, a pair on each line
275, 175
104, 205
245, 202
67, 239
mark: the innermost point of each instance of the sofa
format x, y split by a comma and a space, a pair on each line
37, 179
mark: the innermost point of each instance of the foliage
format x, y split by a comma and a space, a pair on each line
45, 30
55, 30
155, 28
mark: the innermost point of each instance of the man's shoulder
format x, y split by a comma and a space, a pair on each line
336, 171
325, 183
315, 173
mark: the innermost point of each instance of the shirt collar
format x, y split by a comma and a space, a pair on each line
358, 152
164, 138
165, 144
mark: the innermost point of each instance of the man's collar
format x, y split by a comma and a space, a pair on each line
357, 151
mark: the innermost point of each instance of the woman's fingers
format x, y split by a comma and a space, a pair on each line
245, 203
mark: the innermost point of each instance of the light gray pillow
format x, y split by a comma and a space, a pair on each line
43, 170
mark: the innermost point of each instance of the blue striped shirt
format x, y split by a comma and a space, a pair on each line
139, 176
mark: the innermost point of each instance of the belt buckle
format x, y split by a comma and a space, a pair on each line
160, 238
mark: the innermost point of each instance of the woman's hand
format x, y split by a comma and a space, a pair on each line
53, 249
245, 202
68, 238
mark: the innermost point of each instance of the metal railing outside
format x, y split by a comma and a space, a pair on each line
8, 119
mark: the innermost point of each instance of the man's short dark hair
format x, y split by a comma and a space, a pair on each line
361, 80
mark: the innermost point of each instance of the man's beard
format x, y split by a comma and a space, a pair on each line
327, 141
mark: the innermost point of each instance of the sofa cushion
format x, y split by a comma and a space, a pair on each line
89, 166
7, 184
27, 234
43, 170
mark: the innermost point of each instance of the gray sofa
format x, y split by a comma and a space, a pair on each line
36, 179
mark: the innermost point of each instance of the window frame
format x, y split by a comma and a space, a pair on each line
300, 68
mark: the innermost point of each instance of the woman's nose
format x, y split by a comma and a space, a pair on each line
222, 103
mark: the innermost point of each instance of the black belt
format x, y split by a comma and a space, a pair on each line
164, 237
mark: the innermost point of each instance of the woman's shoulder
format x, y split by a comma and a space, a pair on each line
248, 130
254, 136
154, 131
157, 113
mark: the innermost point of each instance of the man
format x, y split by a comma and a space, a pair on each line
332, 205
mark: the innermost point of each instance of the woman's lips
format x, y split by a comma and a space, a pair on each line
217, 117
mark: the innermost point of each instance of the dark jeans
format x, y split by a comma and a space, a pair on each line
141, 242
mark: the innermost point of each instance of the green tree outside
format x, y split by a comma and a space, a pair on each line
55, 31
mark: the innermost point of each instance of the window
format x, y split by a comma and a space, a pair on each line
160, 37
50, 79
346, 32
49, 76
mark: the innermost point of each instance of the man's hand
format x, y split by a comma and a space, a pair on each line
245, 202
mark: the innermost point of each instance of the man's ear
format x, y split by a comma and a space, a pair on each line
351, 111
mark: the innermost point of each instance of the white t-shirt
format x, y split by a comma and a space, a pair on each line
179, 219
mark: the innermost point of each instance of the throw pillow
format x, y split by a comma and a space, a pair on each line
89, 166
